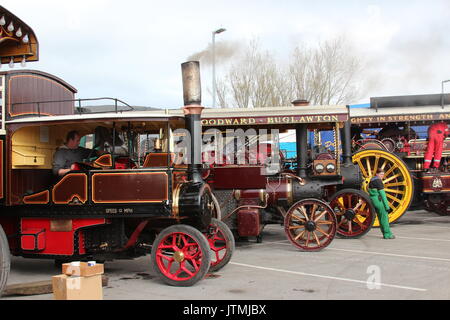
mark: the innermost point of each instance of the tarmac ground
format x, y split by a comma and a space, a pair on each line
415, 265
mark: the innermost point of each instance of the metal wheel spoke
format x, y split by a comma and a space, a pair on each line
303, 211
363, 206
342, 222
183, 267
350, 227
363, 170
323, 232
296, 227
325, 222
168, 258
391, 178
313, 210
217, 249
390, 170
369, 170
393, 198
375, 167
395, 184
298, 218
394, 191
320, 216
359, 204
384, 164
195, 255
300, 235
315, 237
356, 220
307, 239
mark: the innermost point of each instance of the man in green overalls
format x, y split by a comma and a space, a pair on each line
380, 202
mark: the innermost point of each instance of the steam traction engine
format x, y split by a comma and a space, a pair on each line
125, 203
392, 133
315, 195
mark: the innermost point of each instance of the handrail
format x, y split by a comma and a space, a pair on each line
78, 108
3, 105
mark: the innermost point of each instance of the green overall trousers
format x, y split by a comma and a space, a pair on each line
381, 204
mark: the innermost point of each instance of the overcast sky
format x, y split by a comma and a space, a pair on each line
133, 49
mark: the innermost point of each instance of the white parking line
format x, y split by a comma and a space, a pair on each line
390, 254
326, 277
371, 252
412, 238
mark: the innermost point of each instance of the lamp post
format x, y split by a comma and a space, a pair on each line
442, 97
214, 63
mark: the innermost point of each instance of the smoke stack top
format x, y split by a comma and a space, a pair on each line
300, 103
192, 89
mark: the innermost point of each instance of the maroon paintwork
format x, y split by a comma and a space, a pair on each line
239, 177
26, 86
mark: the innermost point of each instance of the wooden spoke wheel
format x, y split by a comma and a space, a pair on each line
221, 243
181, 255
310, 225
397, 180
5, 261
354, 211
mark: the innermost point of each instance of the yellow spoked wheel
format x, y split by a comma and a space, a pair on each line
397, 180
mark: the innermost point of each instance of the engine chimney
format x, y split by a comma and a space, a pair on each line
192, 93
300, 103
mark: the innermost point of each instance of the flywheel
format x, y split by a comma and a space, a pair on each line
397, 180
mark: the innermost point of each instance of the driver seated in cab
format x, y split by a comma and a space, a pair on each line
68, 154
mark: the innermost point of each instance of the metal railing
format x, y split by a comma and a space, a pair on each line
3, 105
78, 107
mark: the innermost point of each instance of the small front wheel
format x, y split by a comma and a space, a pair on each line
181, 255
354, 212
310, 225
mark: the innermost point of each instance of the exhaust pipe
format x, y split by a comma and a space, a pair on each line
192, 93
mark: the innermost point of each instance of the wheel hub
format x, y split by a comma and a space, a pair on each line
178, 256
349, 214
310, 226
365, 184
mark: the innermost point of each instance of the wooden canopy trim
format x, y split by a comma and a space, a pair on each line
17, 43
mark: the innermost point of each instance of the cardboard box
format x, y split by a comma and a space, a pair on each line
83, 270
77, 288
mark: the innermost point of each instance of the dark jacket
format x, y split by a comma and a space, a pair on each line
65, 157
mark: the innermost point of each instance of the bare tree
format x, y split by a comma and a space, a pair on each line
323, 75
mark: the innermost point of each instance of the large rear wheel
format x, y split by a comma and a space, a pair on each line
397, 180
5, 262
181, 255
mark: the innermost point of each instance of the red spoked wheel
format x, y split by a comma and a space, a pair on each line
180, 255
221, 243
310, 225
354, 212
5, 262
